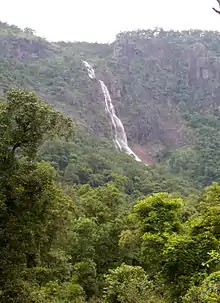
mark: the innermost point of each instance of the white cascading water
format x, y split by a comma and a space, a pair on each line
90, 70
120, 137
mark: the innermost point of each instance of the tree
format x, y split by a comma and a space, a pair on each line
29, 31
33, 207
54, 292
207, 292
190, 256
129, 284
26, 122
154, 220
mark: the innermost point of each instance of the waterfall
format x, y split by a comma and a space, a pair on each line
90, 70
120, 137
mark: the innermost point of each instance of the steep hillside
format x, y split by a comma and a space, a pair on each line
164, 86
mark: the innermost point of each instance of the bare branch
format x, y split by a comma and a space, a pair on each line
215, 10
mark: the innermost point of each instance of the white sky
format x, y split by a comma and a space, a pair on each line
100, 20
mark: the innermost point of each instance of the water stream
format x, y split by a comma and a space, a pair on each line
120, 137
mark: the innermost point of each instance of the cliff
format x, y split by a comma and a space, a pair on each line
158, 81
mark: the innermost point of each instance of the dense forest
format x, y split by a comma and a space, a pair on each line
81, 222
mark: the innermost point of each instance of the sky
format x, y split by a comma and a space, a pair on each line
100, 20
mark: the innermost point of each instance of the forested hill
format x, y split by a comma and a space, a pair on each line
164, 85
83, 223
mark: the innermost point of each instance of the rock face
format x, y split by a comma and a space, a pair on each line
149, 125
157, 80
24, 47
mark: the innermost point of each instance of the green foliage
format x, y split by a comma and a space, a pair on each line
129, 284
113, 243
154, 220
95, 162
26, 122
208, 292
53, 292
158, 213
195, 253
32, 204
200, 163
87, 276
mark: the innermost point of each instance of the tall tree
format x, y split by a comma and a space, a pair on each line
32, 206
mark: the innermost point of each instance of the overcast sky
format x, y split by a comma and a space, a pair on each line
100, 20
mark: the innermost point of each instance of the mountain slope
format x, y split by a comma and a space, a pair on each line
164, 84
